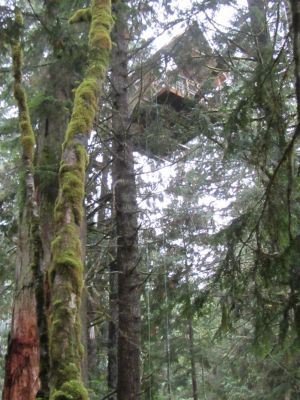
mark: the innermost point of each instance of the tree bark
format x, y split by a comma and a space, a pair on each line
295, 7
126, 214
190, 329
66, 272
191, 337
112, 367
112, 338
52, 126
22, 360
295, 278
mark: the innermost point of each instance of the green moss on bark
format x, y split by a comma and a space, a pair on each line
72, 195
83, 15
66, 271
27, 134
27, 137
17, 57
85, 102
72, 390
24, 346
19, 21
67, 246
46, 175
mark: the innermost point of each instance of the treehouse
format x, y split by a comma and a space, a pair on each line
183, 75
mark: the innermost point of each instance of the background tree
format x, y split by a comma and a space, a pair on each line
217, 189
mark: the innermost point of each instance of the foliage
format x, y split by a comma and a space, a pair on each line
220, 230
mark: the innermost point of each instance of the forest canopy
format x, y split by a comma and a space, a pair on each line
149, 177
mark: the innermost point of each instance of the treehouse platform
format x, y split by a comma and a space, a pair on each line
184, 75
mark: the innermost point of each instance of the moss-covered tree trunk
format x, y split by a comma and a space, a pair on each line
66, 272
125, 205
22, 360
51, 119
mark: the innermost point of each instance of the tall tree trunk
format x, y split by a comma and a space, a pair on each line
192, 358
295, 7
22, 361
112, 367
66, 272
112, 337
190, 328
167, 333
295, 278
294, 275
191, 334
52, 126
125, 205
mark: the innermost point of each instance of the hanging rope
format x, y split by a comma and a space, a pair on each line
149, 323
167, 327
